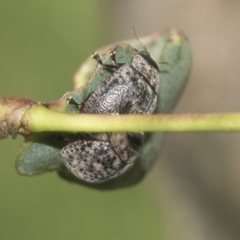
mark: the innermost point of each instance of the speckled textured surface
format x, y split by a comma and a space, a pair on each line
132, 88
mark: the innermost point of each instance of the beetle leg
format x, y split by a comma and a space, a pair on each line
71, 101
112, 66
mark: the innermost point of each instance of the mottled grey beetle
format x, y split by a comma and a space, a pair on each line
130, 89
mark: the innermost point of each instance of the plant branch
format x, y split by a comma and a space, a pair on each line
40, 119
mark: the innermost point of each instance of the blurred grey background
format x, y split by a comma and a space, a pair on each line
193, 192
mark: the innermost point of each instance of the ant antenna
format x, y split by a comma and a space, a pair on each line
134, 33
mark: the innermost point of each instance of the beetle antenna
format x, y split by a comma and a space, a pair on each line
134, 33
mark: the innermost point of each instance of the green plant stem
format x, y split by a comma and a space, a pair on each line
40, 119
